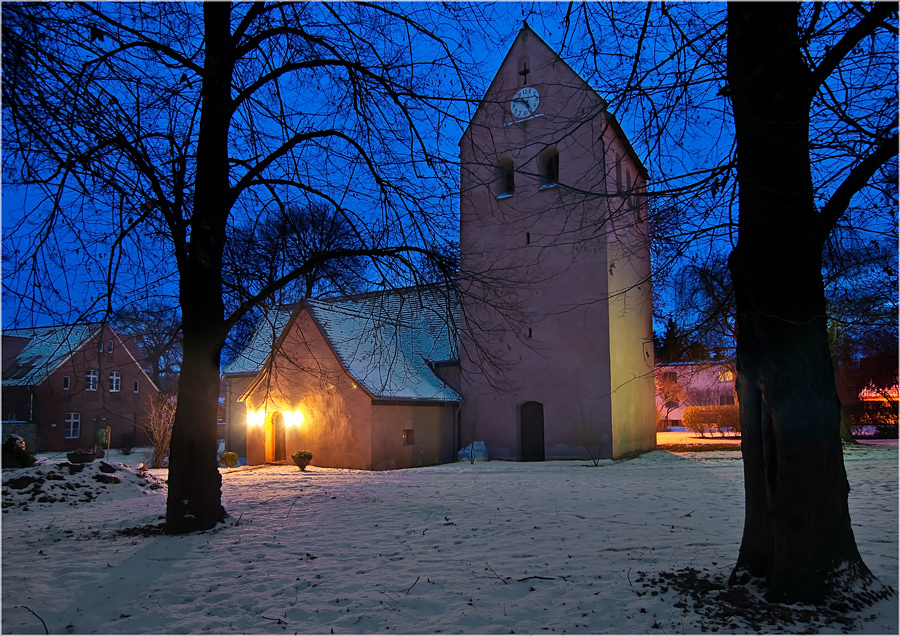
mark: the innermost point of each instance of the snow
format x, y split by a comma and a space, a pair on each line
386, 340
490, 547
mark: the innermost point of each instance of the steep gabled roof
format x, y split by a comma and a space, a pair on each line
527, 31
263, 340
43, 350
387, 341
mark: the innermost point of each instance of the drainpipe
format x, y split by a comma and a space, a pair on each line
31, 404
456, 431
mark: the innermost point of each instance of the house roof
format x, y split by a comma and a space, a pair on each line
385, 340
30, 355
43, 349
388, 340
252, 357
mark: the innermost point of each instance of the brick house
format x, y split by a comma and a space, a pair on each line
60, 382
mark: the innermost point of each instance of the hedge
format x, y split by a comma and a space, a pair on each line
699, 418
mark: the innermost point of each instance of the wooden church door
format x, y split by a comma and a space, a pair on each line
278, 434
531, 427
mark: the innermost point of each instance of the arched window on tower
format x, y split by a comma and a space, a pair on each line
506, 178
548, 165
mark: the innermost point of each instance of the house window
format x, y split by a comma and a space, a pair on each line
670, 376
73, 425
726, 376
93, 378
409, 437
100, 345
67, 383
726, 399
549, 167
137, 386
115, 382
506, 178
109, 346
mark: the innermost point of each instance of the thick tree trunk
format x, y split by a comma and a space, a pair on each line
797, 530
195, 485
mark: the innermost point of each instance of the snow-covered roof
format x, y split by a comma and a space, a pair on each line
389, 340
265, 336
43, 349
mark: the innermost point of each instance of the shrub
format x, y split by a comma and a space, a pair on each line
16, 453
700, 418
229, 459
877, 418
302, 458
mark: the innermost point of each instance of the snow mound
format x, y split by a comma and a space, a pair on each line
49, 484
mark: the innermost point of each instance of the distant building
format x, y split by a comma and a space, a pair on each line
683, 384
61, 382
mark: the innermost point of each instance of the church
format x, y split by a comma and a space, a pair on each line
544, 347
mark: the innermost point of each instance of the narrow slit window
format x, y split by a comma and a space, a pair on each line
506, 178
548, 165
67, 383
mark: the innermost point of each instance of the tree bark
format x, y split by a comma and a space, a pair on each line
797, 530
195, 485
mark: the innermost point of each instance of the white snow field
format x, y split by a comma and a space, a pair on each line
494, 547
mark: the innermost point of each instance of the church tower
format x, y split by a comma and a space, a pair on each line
556, 347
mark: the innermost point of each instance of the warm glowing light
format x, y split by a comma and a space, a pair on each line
293, 418
255, 418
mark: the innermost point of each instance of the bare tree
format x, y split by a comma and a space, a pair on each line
156, 328
671, 395
157, 426
181, 123
770, 130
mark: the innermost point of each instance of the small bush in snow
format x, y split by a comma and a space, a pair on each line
16, 453
302, 458
229, 459
724, 419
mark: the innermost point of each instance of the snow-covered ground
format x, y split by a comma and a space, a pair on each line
494, 547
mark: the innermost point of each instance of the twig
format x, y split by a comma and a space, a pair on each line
280, 621
238, 522
495, 574
528, 578
412, 586
629, 577
46, 631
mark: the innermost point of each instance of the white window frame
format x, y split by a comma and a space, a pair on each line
93, 380
115, 382
73, 425
67, 383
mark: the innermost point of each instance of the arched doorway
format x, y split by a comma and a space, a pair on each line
278, 441
531, 431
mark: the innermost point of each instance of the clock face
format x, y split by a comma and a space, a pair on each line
525, 102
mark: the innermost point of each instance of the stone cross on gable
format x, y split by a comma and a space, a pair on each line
524, 73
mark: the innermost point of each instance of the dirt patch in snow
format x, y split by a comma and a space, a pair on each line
56, 484
742, 607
